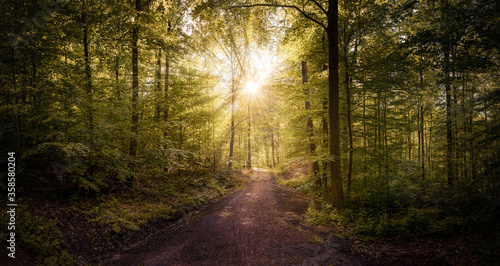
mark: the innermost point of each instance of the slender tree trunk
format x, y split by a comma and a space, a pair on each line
158, 87
135, 83
16, 97
429, 142
309, 124
272, 149
117, 77
231, 141
365, 144
449, 123
349, 123
88, 90
249, 158
213, 147
324, 122
325, 145
378, 135
418, 134
278, 146
166, 104
386, 148
333, 107
166, 96
409, 136
422, 125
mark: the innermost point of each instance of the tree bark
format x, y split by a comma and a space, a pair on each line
117, 77
309, 124
16, 97
423, 139
135, 83
272, 148
249, 158
158, 87
349, 123
166, 95
449, 123
88, 90
333, 107
231, 141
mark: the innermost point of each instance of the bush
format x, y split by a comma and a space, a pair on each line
41, 237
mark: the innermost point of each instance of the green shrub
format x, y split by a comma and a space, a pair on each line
40, 236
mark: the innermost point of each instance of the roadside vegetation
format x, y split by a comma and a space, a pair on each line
88, 226
374, 217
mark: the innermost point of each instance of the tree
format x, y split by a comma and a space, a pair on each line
135, 80
310, 10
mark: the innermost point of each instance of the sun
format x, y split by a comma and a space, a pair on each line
252, 87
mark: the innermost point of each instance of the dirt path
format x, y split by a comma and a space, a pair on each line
259, 225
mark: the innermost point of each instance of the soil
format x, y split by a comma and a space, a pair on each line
259, 225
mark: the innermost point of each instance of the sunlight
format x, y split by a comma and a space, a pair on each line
252, 87
264, 63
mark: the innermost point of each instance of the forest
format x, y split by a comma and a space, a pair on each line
118, 116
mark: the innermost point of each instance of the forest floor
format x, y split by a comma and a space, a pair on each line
264, 224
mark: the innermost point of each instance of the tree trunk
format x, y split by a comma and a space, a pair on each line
324, 122
409, 136
272, 149
16, 97
309, 124
167, 80
117, 77
249, 158
365, 144
423, 139
333, 107
349, 123
386, 150
449, 123
135, 83
231, 141
158, 87
88, 90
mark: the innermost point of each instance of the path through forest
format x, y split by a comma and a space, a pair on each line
258, 225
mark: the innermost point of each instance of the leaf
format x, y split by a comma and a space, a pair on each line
116, 228
131, 226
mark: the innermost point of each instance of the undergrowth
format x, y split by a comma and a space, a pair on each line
40, 236
120, 212
377, 215
157, 198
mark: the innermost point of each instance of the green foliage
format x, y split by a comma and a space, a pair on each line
156, 198
40, 236
375, 224
303, 184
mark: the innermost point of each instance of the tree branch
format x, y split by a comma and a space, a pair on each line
320, 6
285, 6
240, 122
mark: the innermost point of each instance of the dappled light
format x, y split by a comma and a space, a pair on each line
206, 132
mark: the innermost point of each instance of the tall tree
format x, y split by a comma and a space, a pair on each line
135, 79
328, 20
